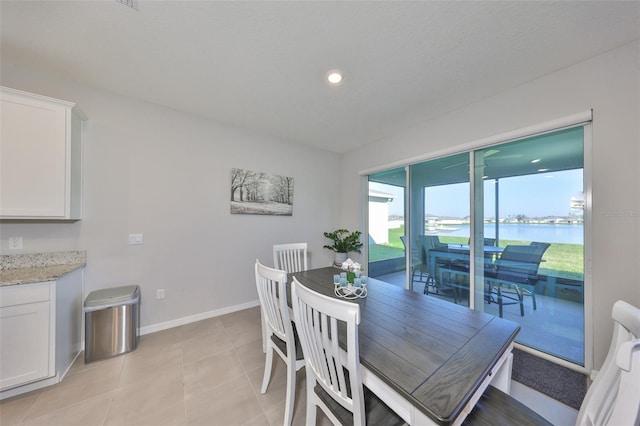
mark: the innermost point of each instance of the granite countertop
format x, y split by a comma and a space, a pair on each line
39, 267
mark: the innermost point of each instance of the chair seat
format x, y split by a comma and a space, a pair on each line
497, 408
376, 411
282, 345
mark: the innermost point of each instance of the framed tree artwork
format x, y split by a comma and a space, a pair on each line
261, 193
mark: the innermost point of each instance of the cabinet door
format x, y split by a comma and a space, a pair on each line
33, 157
24, 344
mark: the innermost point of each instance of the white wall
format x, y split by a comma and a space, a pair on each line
610, 84
156, 171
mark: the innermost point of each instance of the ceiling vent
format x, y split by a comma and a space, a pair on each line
133, 4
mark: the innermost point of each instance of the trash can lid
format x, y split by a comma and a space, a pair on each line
113, 296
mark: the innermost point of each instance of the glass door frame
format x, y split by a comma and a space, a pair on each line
583, 119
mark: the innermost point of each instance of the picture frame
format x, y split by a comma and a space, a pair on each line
261, 193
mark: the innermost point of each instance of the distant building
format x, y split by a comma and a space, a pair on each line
379, 216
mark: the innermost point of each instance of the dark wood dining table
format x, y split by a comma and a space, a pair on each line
427, 359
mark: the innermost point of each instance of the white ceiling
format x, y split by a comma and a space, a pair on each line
261, 65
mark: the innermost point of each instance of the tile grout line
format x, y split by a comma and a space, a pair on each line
184, 387
246, 376
22, 419
113, 392
106, 413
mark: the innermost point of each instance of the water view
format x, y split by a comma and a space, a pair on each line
551, 233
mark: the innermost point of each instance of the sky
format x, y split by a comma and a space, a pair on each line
545, 194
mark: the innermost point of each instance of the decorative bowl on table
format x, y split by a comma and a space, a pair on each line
350, 291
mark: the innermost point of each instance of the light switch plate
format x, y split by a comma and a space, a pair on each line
136, 239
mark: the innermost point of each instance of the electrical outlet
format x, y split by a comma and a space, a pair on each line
160, 293
15, 243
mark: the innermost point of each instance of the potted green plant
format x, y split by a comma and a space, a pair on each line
343, 243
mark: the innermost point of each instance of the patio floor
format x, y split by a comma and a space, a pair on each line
555, 327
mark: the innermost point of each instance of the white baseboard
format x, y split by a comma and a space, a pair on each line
19, 390
198, 317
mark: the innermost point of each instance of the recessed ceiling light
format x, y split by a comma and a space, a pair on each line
542, 170
334, 77
537, 160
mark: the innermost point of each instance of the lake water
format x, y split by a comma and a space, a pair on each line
569, 234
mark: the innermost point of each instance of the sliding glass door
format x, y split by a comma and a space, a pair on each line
499, 229
440, 216
386, 223
534, 211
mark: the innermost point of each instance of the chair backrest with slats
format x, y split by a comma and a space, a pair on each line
416, 258
290, 257
488, 242
317, 317
519, 264
432, 241
614, 395
539, 247
271, 286
428, 242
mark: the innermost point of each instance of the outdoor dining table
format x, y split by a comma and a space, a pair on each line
460, 252
427, 359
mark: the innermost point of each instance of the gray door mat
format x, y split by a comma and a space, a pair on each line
558, 382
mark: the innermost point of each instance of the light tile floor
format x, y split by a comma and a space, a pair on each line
204, 373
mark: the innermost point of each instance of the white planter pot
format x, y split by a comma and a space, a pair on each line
340, 257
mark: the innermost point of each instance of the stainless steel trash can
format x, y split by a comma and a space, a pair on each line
112, 319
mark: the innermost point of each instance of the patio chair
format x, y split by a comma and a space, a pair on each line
489, 257
514, 276
488, 242
280, 336
539, 249
612, 399
419, 271
454, 277
432, 242
290, 257
334, 379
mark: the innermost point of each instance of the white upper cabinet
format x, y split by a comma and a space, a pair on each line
40, 157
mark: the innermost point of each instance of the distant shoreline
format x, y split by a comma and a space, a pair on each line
566, 233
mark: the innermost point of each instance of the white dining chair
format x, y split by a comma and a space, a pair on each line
614, 396
280, 332
290, 257
612, 399
334, 381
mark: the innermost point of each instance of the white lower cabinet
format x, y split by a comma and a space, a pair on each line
36, 348
27, 330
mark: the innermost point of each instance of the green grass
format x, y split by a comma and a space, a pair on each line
562, 260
